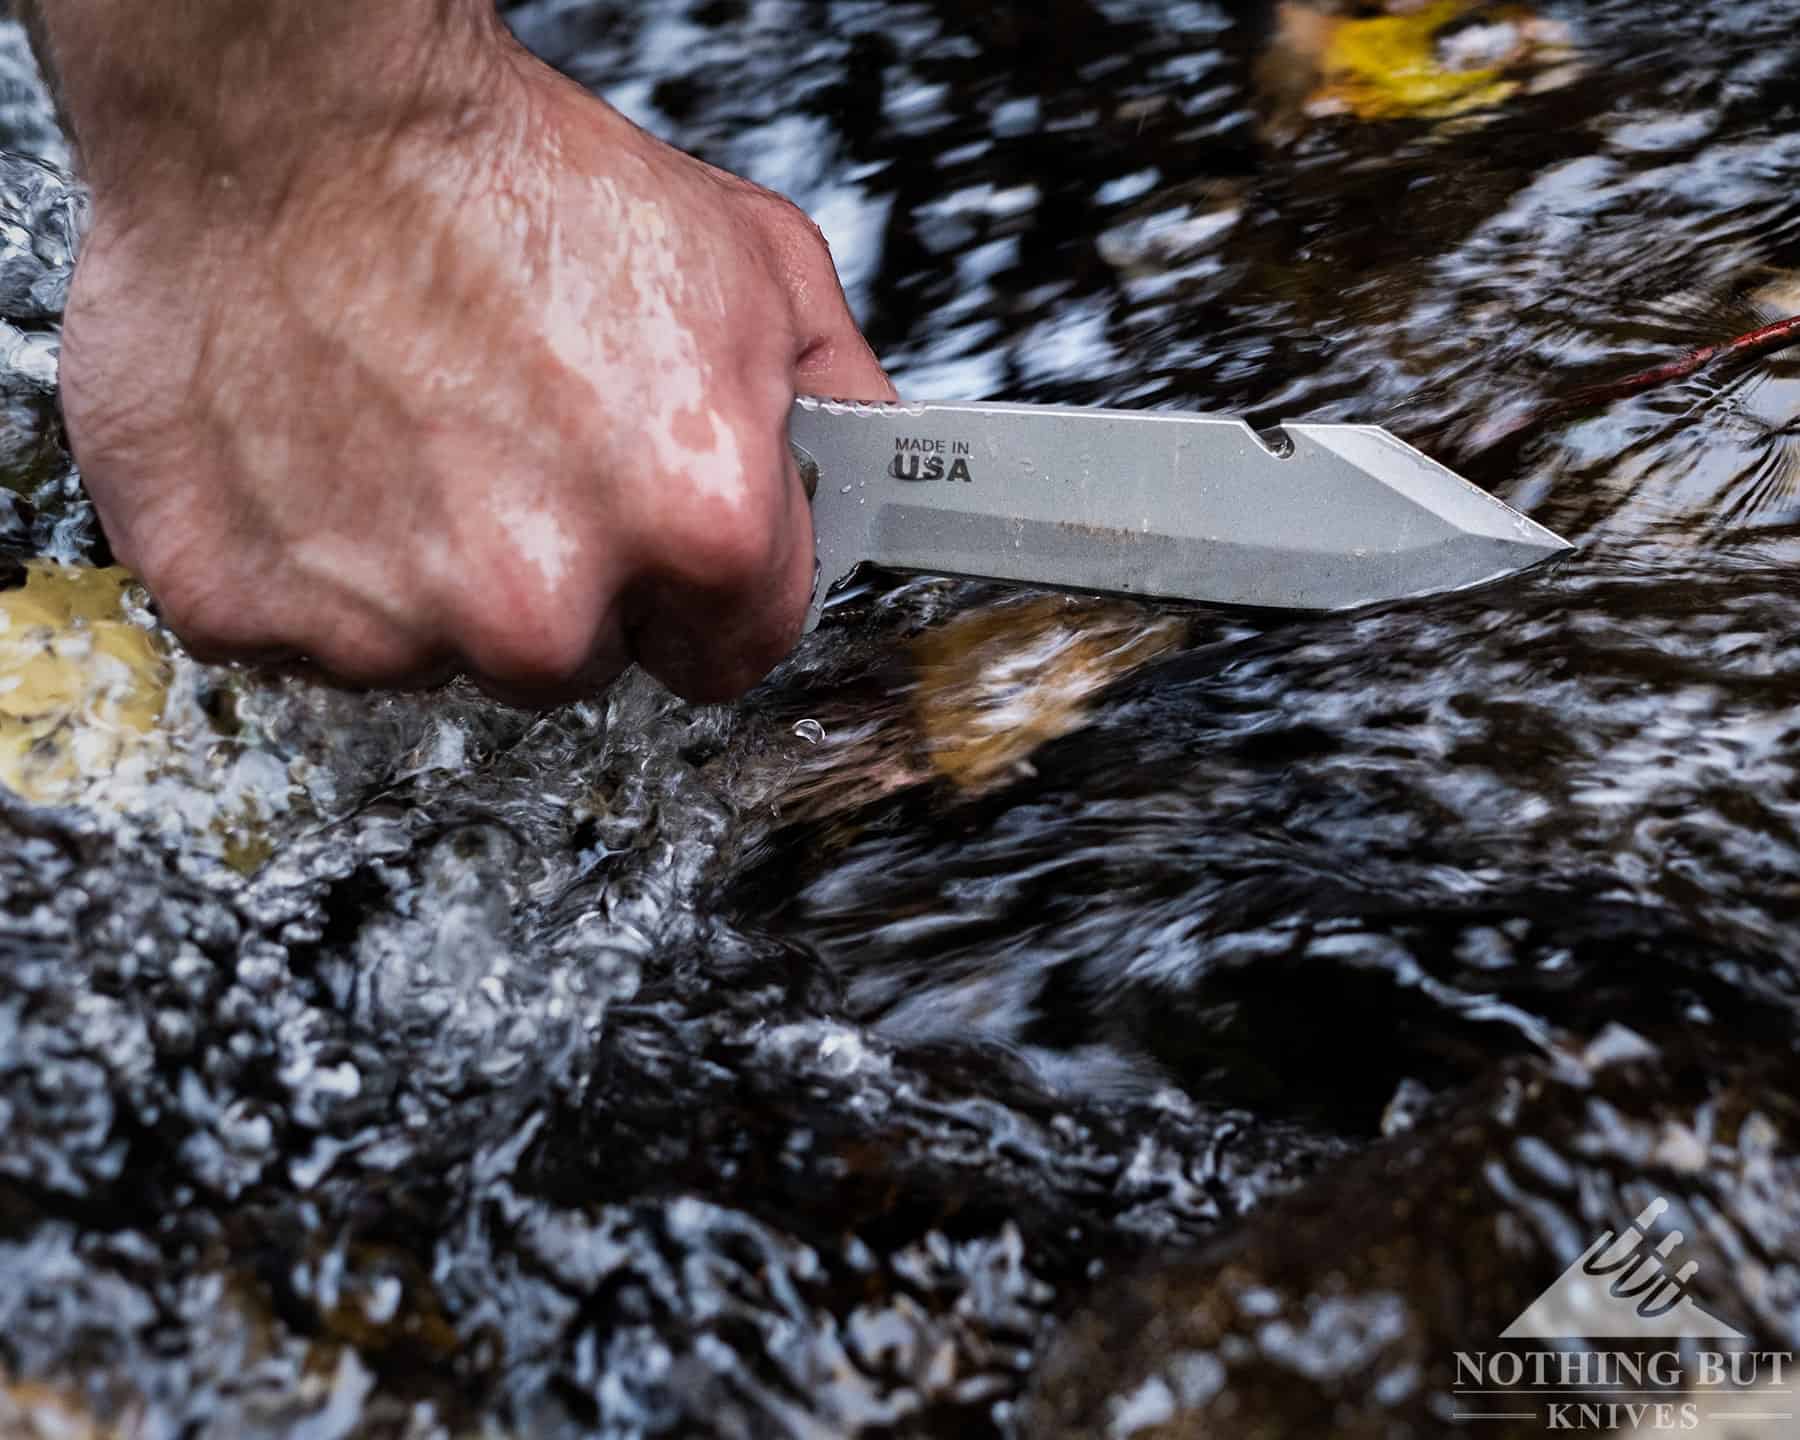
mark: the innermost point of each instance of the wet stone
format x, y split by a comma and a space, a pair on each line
1022, 1016
43, 213
1340, 1309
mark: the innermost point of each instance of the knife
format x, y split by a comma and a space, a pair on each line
1126, 502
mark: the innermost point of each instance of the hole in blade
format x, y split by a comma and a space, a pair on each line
1276, 441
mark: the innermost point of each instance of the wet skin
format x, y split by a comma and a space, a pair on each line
540, 437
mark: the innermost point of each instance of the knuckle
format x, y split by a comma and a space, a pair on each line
528, 641
731, 553
709, 646
207, 617
724, 666
769, 645
779, 210
371, 652
799, 242
533, 651
810, 239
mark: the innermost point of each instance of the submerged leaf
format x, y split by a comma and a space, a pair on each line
996, 684
1422, 64
81, 685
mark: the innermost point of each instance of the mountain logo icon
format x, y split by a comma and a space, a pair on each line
1623, 1288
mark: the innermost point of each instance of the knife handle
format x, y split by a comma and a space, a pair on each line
840, 518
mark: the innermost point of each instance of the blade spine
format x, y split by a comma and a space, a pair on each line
886, 410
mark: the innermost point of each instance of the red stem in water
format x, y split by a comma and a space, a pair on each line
1763, 340
1760, 341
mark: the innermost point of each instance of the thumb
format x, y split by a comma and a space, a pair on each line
835, 360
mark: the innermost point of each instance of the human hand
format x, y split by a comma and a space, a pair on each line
483, 379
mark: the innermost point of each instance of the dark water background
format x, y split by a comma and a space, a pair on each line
1268, 1011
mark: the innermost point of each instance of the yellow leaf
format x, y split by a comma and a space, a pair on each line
1389, 67
81, 686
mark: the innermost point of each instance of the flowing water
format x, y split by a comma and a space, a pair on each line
1023, 1015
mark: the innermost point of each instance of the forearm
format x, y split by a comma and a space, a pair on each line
230, 88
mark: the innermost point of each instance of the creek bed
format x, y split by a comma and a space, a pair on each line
1022, 1015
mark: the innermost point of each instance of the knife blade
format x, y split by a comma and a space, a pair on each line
1150, 503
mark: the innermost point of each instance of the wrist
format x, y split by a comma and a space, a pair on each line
214, 98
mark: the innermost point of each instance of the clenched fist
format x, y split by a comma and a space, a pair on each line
391, 348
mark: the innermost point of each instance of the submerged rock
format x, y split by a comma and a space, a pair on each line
1342, 1309
43, 213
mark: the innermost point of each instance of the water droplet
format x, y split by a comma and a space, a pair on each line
811, 731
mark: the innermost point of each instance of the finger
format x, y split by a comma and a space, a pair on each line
729, 602
203, 609
423, 675
536, 652
533, 624
542, 694
359, 645
834, 358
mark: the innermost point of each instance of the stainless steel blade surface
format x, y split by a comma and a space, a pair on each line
1149, 503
